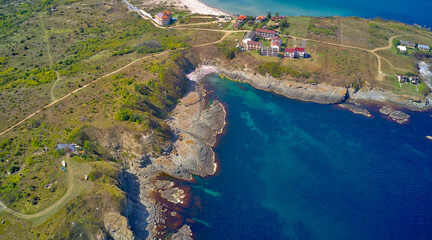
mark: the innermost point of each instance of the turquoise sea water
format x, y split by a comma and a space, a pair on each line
414, 11
296, 170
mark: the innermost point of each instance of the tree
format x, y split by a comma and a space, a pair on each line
269, 15
277, 14
283, 24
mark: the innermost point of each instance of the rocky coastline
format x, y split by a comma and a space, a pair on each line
196, 125
152, 182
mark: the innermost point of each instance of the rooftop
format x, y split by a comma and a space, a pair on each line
298, 49
242, 17
265, 31
290, 50
253, 43
164, 15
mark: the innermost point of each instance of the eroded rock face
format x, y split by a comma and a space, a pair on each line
117, 226
395, 115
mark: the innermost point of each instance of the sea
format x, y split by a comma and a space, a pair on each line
296, 170
411, 12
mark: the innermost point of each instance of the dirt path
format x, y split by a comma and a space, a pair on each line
390, 44
53, 86
104, 76
75, 186
380, 76
48, 46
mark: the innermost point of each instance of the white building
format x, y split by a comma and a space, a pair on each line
163, 18
423, 47
402, 48
250, 36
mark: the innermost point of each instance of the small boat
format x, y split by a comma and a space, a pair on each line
429, 137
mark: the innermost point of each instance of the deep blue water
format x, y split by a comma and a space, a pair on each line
296, 170
414, 11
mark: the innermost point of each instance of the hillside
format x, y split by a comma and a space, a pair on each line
100, 76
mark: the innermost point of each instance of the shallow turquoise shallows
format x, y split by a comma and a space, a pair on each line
414, 11
296, 170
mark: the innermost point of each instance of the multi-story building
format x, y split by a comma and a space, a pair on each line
252, 45
163, 18
265, 33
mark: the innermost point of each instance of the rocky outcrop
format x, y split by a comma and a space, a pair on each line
184, 233
319, 93
395, 115
117, 226
355, 109
195, 126
404, 101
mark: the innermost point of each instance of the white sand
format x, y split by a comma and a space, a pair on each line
201, 72
196, 6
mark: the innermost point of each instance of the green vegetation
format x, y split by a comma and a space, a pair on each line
276, 70
227, 51
330, 31
323, 26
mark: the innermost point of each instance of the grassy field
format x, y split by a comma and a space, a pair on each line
298, 26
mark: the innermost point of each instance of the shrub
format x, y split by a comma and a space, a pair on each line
94, 175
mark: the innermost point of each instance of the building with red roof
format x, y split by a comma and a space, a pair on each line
265, 33
163, 18
300, 52
260, 19
241, 18
252, 45
276, 42
289, 52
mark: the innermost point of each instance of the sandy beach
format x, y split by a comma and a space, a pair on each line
194, 6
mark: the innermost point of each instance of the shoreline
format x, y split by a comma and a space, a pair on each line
320, 93
197, 128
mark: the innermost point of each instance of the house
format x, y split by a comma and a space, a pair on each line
269, 51
265, 33
414, 80
163, 18
276, 42
289, 52
67, 147
402, 48
241, 18
250, 36
408, 44
402, 79
260, 19
236, 25
278, 18
299, 52
423, 47
252, 45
